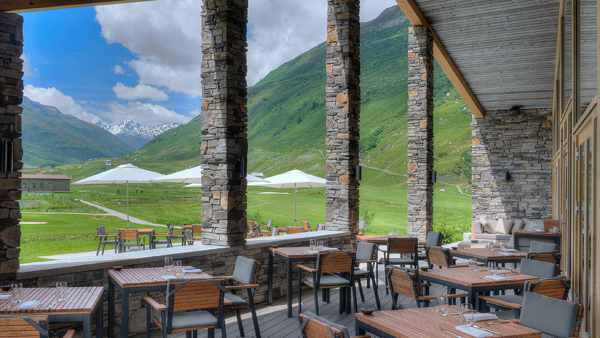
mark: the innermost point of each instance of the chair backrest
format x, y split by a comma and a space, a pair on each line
194, 294
434, 238
100, 230
320, 227
313, 326
548, 257
275, 232
366, 251
170, 231
553, 317
270, 222
403, 245
537, 246
128, 234
246, 270
335, 261
405, 281
24, 326
541, 270
294, 230
557, 287
249, 226
306, 225
362, 224
436, 255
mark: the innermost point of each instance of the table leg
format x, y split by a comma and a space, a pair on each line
472, 298
289, 288
125, 313
87, 326
359, 331
270, 274
111, 309
100, 319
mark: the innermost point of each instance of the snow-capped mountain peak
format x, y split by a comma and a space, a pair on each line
134, 133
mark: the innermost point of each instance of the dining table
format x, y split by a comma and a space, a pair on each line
80, 304
377, 239
425, 322
485, 255
475, 282
138, 280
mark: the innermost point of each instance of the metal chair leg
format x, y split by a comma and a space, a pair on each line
375, 289
253, 311
354, 297
239, 321
99, 244
316, 295
360, 289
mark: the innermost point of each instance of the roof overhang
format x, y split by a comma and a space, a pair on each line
497, 53
21, 6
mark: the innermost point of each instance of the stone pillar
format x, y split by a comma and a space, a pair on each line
224, 119
420, 131
11, 96
343, 113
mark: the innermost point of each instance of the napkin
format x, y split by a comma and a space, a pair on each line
506, 254
168, 277
502, 271
330, 249
482, 316
313, 252
29, 305
538, 230
471, 331
496, 278
191, 270
5, 297
511, 250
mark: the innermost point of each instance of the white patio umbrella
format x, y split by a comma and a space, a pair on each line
193, 176
292, 179
125, 173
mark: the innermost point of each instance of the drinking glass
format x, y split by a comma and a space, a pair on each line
466, 314
390, 233
504, 247
17, 293
442, 306
313, 244
490, 246
169, 263
61, 290
178, 267
493, 268
472, 264
320, 245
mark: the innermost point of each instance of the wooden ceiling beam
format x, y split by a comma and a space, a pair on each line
21, 6
416, 18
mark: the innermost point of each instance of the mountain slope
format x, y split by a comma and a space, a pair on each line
286, 113
135, 134
53, 138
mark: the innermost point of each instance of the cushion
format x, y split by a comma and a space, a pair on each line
482, 220
490, 227
245, 270
235, 300
422, 256
477, 228
434, 238
518, 225
531, 224
497, 237
538, 269
365, 251
329, 280
361, 272
537, 247
187, 320
504, 226
509, 298
551, 316
401, 261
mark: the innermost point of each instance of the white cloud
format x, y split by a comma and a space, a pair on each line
64, 103
139, 92
165, 36
118, 70
27, 67
195, 112
143, 113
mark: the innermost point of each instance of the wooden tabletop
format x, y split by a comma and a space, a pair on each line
425, 322
77, 300
295, 252
465, 277
145, 231
537, 233
485, 253
130, 278
379, 239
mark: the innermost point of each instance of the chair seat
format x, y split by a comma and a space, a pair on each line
161, 241
235, 300
400, 261
422, 256
508, 299
329, 280
177, 236
110, 242
361, 273
188, 320
131, 244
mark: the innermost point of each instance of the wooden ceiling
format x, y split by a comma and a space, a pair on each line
504, 49
20, 6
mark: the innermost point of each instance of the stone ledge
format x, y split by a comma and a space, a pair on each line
262, 242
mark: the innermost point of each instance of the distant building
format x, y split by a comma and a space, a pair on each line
108, 163
45, 183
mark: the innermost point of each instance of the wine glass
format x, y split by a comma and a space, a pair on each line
320, 245
472, 264
17, 293
61, 291
466, 314
442, 306
313, 244
504, 247
493, 268
169, 263
390, 233
490, 246
178, 266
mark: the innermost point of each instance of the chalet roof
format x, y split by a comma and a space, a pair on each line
46, 176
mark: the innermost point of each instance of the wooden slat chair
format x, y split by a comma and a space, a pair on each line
191, 305
557, 287
313, 326
250, 229
27, 326
320, 227
439, 256
539, 269
537, 246
178, 236
103, 239
549, 257
126, 235
189, 237
258, 228
294, 230
401, 246
362, 227
366, 253
407, 282
334, 269
306, 226
553, 317
166, 241
433, 239
245, 277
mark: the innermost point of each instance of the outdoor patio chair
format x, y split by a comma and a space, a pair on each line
399, 246
191, 305
258, 228
245, 276
433, 239
366, 253
537, 246
334, 269
548, 257
294, 230
407, 282
103, 239
177, 236
166, 241
27, 326
440, 256
126, 235
362, 227
557, 287
250, 229
313, 326
320, 227
189, 237
306, 226
556, 318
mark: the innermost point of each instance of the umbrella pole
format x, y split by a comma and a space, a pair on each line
127, 183
295, 190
